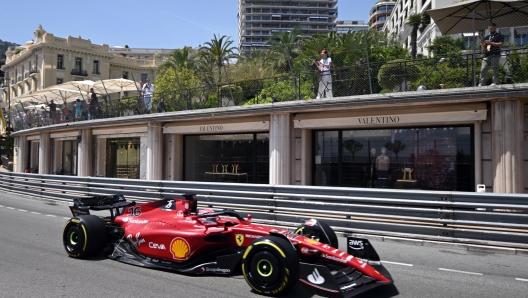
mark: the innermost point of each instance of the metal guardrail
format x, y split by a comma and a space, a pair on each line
479, 218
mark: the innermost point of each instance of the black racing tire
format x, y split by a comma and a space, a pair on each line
270, 265
321, 232
84, 236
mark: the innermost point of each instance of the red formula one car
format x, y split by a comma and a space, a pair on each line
172, 234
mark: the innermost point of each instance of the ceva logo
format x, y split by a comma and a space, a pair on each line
316, 278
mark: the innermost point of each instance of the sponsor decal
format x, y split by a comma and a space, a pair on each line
253, 236
311, 222
148, 259
345, 288
180, 248
188, 219
239, 239
304, 250
356, 244
335, 250
349, 258
215, 270
316, 278
156, 246
186, 206
326, 246
179, 214
311, 241
166, 262
341, 254
134, 211
170, 206
135, 221
155, 261
136, 242
333, 258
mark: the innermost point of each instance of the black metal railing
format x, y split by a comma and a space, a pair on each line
79, 72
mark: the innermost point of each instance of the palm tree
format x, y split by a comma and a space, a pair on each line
284, 47
417, 21
218, 51
183, 58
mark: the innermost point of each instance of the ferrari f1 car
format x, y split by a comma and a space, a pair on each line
172, 234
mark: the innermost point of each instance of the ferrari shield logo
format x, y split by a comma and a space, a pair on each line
239, 239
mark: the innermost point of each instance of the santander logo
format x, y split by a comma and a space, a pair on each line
316, 278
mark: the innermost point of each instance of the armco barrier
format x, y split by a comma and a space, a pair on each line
480, 218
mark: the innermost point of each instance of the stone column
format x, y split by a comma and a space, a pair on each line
20, 156
507, 146
306, 157
100, 168
154, 151
175, 157
281, 136
84, 153
44, 153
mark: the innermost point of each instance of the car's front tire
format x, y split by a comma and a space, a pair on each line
270, 265
84, 236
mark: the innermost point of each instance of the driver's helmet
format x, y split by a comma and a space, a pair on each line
208, 220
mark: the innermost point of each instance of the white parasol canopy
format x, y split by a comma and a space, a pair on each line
117, 85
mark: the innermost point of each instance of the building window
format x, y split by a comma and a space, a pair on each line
59, 81
433, 158
144, 77
125, 75
239, 158
96, 67
78, 64
60, 61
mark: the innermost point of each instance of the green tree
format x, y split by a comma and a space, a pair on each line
216, 52
416, 21
179, 94
397, 74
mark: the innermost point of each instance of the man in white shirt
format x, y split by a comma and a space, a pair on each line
148, 90
325, 77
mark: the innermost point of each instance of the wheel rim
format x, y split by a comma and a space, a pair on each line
265, 269
74, 238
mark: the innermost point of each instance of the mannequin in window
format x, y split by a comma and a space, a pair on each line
382, 167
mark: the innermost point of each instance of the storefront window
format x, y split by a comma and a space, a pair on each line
238, 158
429, 158
122, 158
69, 158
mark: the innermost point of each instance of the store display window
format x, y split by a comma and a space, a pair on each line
428, 158
122, 158
236, 158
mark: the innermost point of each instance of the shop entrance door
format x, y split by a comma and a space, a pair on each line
69, 158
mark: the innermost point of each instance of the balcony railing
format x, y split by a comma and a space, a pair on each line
96, 72
79, 72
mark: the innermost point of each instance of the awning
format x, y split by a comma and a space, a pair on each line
373, 119
521, 30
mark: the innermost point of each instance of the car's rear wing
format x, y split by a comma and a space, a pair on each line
82, 206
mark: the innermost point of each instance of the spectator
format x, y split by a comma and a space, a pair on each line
93, 105
491, 45
161, 105
53, 112
325, 77
148, 90
78, 110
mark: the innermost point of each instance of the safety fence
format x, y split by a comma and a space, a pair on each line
480, 218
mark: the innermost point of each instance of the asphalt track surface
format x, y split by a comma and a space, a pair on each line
33, 264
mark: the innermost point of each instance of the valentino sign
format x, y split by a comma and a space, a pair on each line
206, 128
379, 120
223, 127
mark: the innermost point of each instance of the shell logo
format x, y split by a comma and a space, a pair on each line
180, 249
311, 241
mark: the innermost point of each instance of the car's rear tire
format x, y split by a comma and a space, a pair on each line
320, 231
270, 265
84, 236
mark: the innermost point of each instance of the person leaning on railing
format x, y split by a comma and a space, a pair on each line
491, 45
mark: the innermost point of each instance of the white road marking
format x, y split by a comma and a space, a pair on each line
50, 215
521, 279
2, 206
35, 212
22, 210
458, 271
66, 217
396, 263
10, 208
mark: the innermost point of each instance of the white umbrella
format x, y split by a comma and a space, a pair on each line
475, 15
117, 85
